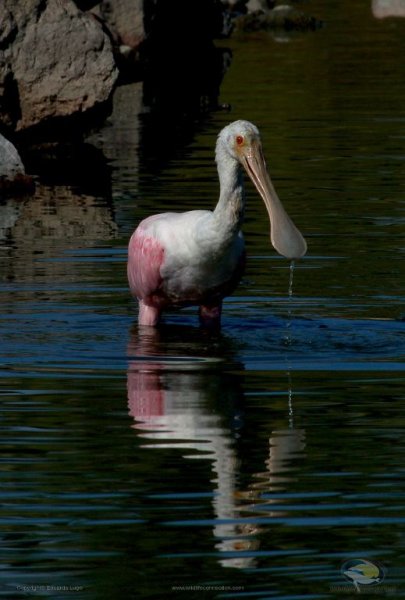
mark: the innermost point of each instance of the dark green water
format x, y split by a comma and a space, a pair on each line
255, 462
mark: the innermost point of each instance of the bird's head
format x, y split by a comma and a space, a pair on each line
240, 141
238, 138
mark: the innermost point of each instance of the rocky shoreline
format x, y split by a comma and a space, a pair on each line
61, 60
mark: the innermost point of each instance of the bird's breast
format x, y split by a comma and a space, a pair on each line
200, 265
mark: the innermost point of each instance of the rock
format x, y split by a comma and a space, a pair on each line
55, 61
10, 161
281, 17
12, 172
125, 19
382, 9
9, 107
255, 5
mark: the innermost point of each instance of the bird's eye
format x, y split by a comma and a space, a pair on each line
239, 140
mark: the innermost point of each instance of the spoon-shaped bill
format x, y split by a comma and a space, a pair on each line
285, 237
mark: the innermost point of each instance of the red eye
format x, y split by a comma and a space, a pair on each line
239, 140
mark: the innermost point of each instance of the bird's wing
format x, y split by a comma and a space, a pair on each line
145, 258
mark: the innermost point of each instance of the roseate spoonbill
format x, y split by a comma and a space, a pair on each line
197, 257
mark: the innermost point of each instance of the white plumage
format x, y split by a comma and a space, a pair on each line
197, 257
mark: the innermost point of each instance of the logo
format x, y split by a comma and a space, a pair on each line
362, 572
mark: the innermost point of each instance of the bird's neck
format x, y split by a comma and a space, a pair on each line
231, 204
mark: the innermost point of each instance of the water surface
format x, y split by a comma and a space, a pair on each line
250, 463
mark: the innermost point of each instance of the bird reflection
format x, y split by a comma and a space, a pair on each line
184, 391
169, 388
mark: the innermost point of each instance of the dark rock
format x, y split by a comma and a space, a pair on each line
65, 163
125, 20
235, 6
55, 61
183, 68
86, 4
9, 104
181, 23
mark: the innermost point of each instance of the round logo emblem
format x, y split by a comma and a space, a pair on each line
362, 572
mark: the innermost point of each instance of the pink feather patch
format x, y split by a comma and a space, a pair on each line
145, 258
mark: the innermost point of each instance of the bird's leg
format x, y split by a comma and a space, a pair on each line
148, 315
210, 316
